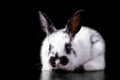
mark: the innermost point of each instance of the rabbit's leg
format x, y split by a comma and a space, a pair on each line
96, 64
97, 61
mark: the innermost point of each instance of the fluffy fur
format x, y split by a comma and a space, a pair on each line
87, 48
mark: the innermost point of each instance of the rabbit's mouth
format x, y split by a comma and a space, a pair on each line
69, 69
61, 67
58, 67
60, 70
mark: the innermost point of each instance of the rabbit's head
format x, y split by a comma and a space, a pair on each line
57, 46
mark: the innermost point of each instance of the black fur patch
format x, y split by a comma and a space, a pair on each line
64, 60
91, 40
74, 51
68, 48
56, 55
52, 61
49, 49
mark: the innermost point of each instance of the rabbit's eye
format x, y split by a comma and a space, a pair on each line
50, 47
67, 48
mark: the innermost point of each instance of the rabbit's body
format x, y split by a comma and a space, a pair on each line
63, 50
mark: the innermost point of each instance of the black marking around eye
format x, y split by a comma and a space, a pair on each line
68, 48
50, 47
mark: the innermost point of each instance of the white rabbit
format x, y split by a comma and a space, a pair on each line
71, 47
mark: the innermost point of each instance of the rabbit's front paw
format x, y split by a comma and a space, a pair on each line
91, 66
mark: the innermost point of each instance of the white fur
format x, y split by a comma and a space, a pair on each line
90, 56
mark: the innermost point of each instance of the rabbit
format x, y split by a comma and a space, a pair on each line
71, 47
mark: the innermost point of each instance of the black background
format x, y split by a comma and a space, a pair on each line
102, 16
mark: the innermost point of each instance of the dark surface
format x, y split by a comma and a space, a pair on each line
100, 16
45, 75
53, 75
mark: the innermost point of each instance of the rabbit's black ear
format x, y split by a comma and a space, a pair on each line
74, 23
46, 23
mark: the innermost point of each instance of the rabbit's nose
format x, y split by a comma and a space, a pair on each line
54, 62
64, 60
57, 62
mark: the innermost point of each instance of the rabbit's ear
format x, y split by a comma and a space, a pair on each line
46, 23
74, 23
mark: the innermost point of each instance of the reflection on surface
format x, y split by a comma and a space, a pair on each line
50, 75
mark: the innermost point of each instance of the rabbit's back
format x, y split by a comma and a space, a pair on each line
86, 42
